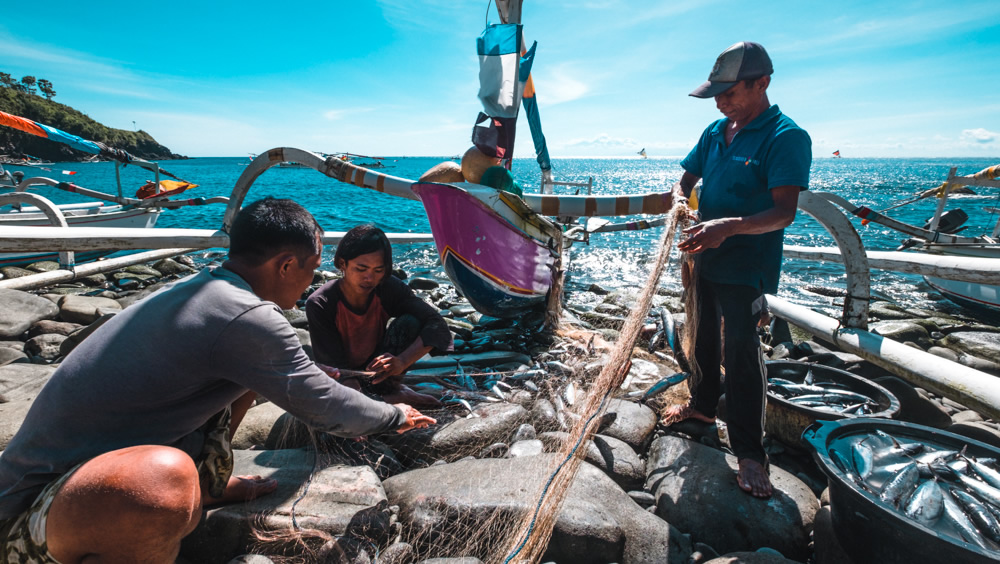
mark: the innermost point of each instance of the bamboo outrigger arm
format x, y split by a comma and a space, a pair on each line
51, 211
331, 166
949, 267
852, 251
967, 386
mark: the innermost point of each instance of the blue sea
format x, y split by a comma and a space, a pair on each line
615, 261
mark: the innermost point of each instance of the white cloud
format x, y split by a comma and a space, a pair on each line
334, 115
559, 86
603, 141
979, 136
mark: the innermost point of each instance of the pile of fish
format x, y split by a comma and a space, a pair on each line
822, 395
945, 490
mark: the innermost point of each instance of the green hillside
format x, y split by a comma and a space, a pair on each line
16, 143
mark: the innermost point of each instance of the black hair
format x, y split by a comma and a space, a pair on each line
271, 226
362, 240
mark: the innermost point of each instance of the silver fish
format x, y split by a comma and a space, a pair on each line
981, 517
662, 385
900, 486
908, 449
926, 504
669, 328
954, 514
989, 475
863, 458
569, 393
983, 491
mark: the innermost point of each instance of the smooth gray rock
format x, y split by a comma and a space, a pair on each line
45, 346
130, 299
613, 456
724, 516
19, 310
524, 433
966, 416
978, 431
47, 326
902, 332
23, 381
257, 425
251, 559
543, 416
459, 437
826, 545
526, 448
19, 385
170, 266
979, 344
77, 337
598, 522
418, 283
759, 557
9, 355
331, 498
84, 309
633, 423
913, 407
887, 311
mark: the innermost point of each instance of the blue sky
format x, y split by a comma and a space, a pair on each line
394, 77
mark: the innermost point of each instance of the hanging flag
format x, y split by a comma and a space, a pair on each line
531, 110
78, 143
499, 49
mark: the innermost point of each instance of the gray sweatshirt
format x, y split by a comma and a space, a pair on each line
157, 371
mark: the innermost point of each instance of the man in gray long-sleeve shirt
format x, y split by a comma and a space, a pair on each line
114, 437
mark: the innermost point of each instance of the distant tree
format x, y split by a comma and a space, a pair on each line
29, 84
46, 88
6, 79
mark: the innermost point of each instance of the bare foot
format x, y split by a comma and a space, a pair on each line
678, 413
753, 479
242, 488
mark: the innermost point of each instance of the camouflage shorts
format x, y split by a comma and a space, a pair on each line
22, 538
215, 465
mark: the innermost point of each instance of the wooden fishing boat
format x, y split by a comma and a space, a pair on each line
105, 210
495, 249
939, 237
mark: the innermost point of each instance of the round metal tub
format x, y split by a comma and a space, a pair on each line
871, 531
786, 420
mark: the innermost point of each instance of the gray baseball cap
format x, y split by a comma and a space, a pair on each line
741, 61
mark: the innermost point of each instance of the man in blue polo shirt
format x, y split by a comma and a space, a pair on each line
753, 163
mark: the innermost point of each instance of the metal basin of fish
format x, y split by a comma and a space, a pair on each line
786, 419
872, 527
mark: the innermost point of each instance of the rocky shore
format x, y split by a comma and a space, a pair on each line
646, 494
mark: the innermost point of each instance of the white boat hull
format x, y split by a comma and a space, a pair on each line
77, 215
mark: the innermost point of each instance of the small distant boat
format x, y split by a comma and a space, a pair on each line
836, 154
642, 153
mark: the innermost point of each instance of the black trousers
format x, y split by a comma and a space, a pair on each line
400, 334
745, 384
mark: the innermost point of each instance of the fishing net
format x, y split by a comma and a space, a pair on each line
489, 479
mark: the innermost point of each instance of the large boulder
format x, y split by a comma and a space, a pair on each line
979, 344
633, 423
446, 508
257, 425
323, 495
613, 456
489, 423
85, 309
19, 385
696, 491
19, 310
903, 332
